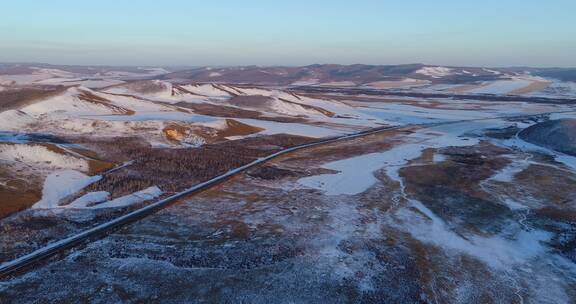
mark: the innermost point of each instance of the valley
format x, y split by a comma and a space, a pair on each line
446, 184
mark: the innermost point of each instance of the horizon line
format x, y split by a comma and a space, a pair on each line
284, 66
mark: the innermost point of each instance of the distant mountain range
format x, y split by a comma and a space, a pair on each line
329, 74
362, 74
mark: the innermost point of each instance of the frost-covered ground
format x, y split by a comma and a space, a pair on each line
461, 212
444, 214
512, 84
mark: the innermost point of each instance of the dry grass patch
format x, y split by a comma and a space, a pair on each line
175, 132
533, 87
18, 195
21, 97
17, 192
550, 185
176, 169
346, 149
234, 112
236, 128
99, 166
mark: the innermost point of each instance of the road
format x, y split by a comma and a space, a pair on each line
22, 263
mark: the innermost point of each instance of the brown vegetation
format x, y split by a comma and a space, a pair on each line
269, 172
309, 158
467, 167
17, 195
219, 110
252, 101
116, 149
20, 97
557, 214
175, 132
533, 87
98, 166
451, 189
17, 192
236, 128
176, 169
95, 99
547, 184
233, 112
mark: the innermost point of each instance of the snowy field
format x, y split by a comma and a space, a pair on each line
450, 205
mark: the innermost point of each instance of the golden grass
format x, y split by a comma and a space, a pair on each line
16, 196
533, 87
175, 132
236, 128
98, 166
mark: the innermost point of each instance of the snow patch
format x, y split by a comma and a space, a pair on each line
14, 120
508, 173
492, 71
519, 144
61, 184
208, 90
88, 199
154, 116
399, 114
435, 72
502, 86
498, 252
41, 156
131, 199
356, 173
272, 127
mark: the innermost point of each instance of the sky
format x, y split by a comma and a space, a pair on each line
296, 32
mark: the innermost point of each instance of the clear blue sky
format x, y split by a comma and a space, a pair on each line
295, 32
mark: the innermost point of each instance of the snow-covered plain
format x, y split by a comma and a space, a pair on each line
498, 252
514, 252
356, 174
154, 116
366, 222
401, 114
502, 86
